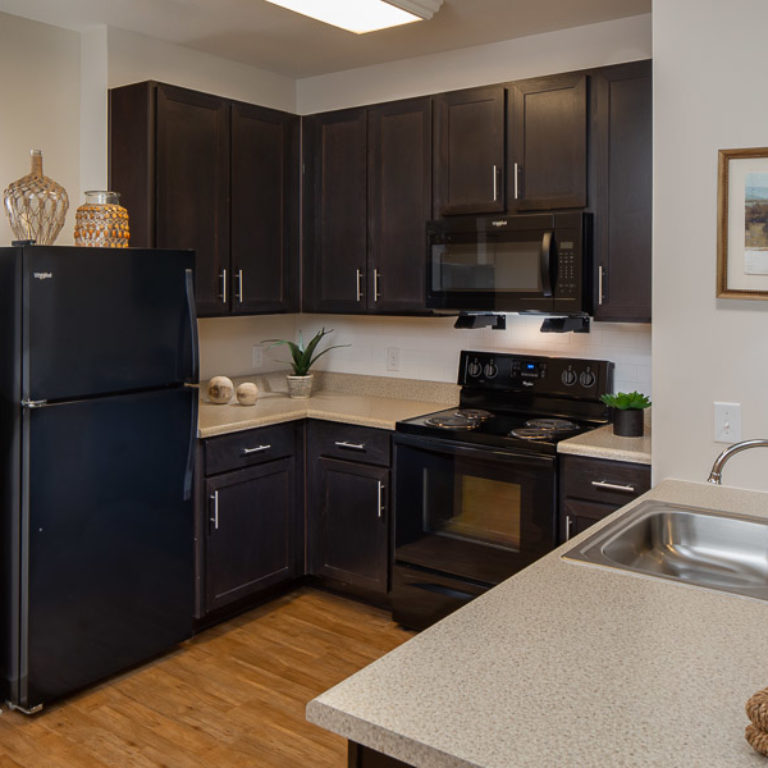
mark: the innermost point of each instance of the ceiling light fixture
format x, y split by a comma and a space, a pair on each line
362, 16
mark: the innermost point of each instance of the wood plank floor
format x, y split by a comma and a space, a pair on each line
231, 697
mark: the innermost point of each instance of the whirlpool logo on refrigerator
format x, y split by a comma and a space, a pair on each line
42, 275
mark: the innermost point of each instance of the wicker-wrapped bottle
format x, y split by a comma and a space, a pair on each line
36, 205
101, 221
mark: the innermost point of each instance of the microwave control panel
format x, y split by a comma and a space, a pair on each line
567, 269
547, 375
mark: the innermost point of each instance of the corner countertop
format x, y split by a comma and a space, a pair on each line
601, 443
352, 399
571, 664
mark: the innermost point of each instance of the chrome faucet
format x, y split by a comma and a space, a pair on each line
715, 475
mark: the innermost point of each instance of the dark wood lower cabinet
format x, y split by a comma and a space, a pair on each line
359, 756
592, 488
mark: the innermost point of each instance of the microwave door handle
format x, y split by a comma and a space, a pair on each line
546, 263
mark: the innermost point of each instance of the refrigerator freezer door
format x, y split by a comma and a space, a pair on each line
107, 538
103, 320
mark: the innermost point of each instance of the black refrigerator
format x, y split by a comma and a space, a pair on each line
98, 349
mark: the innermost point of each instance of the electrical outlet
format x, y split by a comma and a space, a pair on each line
257, 356
393, 358
727, 422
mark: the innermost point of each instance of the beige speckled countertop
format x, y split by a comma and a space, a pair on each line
568, 664
364, 400
601, 443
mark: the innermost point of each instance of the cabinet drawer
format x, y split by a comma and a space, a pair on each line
244, 449
342, 441
608, 482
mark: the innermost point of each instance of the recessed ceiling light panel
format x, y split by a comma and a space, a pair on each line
362, 16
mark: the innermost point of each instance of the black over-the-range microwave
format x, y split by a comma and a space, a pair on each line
523, 263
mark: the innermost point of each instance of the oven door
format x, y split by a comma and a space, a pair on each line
473, 512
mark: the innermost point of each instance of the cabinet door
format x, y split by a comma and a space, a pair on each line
264, 204
192, 187
252, 537
469, 151
399, 204
621, 136
548, 143
349, 523
335, 211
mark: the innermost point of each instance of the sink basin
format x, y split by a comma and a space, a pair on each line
719, 550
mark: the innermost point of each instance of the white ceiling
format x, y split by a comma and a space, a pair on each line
263, 35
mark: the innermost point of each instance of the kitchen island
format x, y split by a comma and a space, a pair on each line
571, 664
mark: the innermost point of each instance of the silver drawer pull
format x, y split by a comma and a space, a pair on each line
350, 446
605, 485
257, 449
380, 500
214, 497
568, 527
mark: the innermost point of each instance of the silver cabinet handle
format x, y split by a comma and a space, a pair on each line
600, 285
358, 284
350, 446
223, 278
257, 449
605, 485
516, 180
214, 497
376, 292
568, 527
380, 500
495, 183
240, 286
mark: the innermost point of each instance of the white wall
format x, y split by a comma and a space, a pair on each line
594, 45
709, 93
134, 57
40, 98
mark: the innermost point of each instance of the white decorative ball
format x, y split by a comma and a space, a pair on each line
247, 392
220, 390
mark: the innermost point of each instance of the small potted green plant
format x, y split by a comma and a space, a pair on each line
303, 357
628, 410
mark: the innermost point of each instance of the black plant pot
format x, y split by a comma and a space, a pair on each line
628, 422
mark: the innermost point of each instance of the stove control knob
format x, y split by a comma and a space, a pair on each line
474, 368
587, 379
491, 370
569, 377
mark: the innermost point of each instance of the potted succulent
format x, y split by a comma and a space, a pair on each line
300, 382
628, 410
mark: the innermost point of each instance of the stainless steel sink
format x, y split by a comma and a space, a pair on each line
719, 550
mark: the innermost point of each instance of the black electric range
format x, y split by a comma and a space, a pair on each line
476, 486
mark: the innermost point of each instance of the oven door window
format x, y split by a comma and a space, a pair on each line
479, 509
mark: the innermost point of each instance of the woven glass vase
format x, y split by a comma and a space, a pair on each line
36, 205
101, 221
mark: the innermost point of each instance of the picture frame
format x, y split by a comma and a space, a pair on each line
742, 223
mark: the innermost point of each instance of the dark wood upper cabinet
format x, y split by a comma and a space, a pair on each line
202, 172
547, 165
469, 151
192, 186
621, 190
399, 204
335, 194
264, 210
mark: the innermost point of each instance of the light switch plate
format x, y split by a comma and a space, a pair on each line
727, 422
257, 356
393, 358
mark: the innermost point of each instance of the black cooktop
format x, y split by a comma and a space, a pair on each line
520, 402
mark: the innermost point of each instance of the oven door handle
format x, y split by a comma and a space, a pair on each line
446, 447
546, 263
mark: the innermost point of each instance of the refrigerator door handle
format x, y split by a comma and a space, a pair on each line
189, 473
34, 403
189, 290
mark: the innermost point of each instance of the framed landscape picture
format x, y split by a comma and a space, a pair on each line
742, 225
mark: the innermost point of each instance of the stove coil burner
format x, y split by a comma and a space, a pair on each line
543, 429
467, 418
